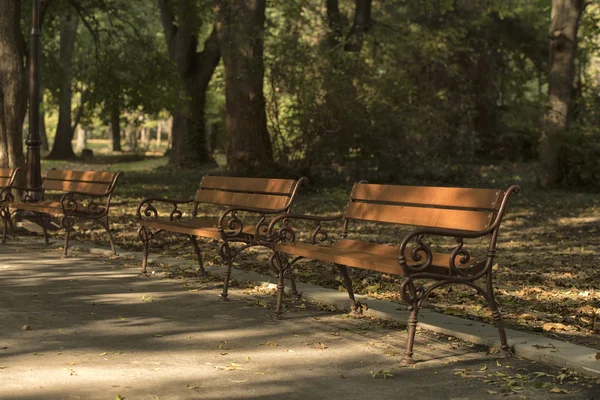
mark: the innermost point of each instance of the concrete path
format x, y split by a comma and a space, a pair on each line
89, 327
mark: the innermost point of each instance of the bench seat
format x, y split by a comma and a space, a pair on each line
44, 206
371, 256
206, 227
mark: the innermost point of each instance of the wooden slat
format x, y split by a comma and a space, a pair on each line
83, 176
4, 181
70, 186
6, 172
45, 206
431, 196
419, 216
250, 185
266, 201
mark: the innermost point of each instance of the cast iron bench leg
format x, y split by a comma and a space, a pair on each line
198, 254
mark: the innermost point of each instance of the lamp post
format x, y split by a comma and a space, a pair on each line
34, 170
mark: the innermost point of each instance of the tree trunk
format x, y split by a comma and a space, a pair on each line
81, 139
115, 127
241, 25
182, 27
158, 134
170, 133
361, 26
564, 24
13, 85
62, 149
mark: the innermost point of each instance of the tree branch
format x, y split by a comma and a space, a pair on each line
361, 26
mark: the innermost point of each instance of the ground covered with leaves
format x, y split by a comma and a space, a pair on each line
547, 277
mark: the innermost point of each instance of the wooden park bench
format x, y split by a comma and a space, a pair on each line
75, 196
7, 179
255, 198
453, 214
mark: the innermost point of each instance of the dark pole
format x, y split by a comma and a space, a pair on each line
34, 170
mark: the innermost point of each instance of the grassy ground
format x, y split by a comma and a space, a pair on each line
548, 278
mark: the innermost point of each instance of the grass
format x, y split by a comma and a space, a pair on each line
547, 279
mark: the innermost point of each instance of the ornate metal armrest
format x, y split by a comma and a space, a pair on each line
147, 209
422, 249
285, 233
27, 198
231, 226
78, 203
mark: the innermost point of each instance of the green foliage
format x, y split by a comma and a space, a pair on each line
435, 80
436, 86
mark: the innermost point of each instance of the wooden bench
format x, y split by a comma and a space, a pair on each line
451, 214
7, 180
256, 198
77, 196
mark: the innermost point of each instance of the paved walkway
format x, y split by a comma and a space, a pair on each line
99, 331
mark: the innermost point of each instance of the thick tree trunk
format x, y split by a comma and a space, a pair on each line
564, 25
13, 85
241, 25
115, 127
182, 27
62, 149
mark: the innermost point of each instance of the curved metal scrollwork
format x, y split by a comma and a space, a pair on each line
417, 253
262, 229
74, 203
464, 255
318, 235
175, 213
411, 294
233, 224
286, 233
150, 211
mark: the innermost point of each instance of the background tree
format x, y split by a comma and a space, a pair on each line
182, 24
241, 27
62, 149
13, 92
564, 25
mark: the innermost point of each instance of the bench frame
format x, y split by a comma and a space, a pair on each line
413, 264
230, 227
75, 205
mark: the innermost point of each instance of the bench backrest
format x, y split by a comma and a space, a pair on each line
269, 194
7, 176
89, 182
434, 207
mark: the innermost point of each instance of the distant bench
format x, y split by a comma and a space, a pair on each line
245, 204
80, 195
451, 213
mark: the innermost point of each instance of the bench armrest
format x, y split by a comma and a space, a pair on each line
147, 209
286, 233
458, 253
231, 226
78, 203
6, 193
